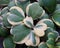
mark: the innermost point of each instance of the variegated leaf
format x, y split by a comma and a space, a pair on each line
17, 11
48, 22
40, 29
34, 10
14, 19
28, 21
20, 32
32, 40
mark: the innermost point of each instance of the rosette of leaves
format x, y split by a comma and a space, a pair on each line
23, 28
4, 13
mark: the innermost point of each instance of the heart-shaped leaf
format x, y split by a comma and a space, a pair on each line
42, 26
28, 21
19, 32
17, 11
8, 43
48, 22
14, 19
23, 41
39, 29
34, 10
32, 40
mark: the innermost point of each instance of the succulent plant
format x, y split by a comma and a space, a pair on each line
25, 25
30, 24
